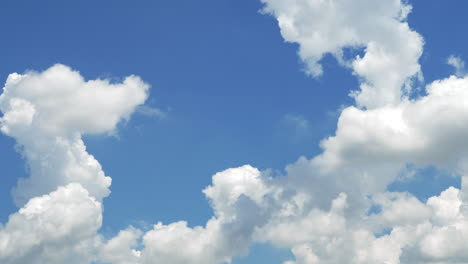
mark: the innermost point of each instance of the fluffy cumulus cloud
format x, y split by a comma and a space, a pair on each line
59, 227
429, 130
121, 248
237, 196
48, 112
332, 208
391, 48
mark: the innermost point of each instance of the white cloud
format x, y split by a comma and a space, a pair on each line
392, 49
237, 198
176, 243
422, 241
429, 130
321, 208
150, 111
48, 112
290, 230
446, 208
121, 248
364, 157
230, 184
458, 64
299, 122
66, 104
55, 228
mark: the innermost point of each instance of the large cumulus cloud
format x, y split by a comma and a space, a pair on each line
48, 112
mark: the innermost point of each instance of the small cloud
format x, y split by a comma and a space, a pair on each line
458, 64
151, 112
298, 121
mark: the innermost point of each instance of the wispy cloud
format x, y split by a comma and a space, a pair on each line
458, 64
151, 112
297, 121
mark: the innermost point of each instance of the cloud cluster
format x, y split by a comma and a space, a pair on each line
417, 233
333, 208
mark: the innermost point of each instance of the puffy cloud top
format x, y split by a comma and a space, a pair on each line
56, 228
47, 112
392, 49
59, 101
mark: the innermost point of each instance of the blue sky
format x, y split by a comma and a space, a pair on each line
230, 89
